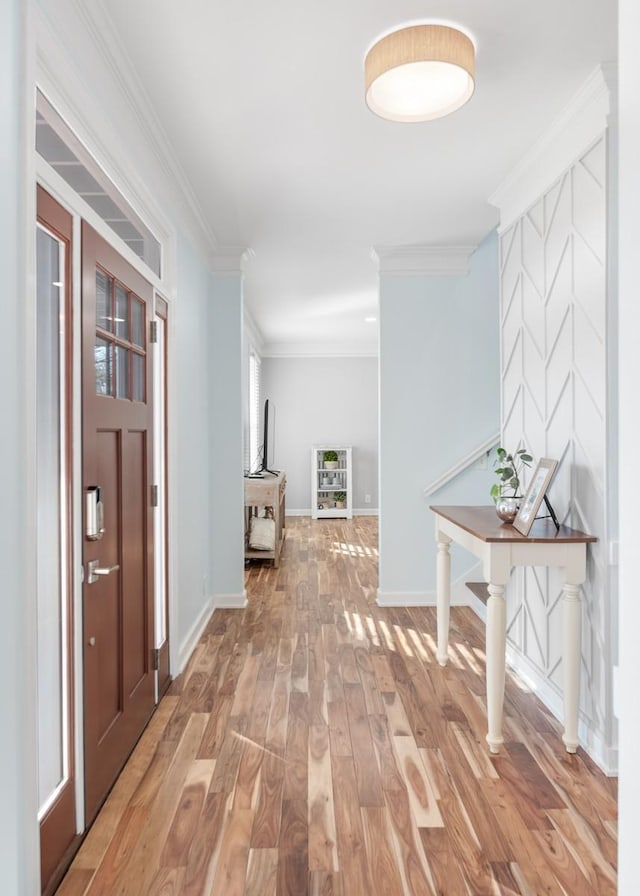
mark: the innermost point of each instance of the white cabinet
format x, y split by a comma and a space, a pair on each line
331, 482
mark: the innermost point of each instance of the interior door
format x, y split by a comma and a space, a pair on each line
117, 514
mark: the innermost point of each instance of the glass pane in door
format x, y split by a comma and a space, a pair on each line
104, 316
104, 367
122, 312
122, 372
51, 510
137, 377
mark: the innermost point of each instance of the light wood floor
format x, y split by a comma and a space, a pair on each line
314, 746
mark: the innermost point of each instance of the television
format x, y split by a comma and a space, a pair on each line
267, 452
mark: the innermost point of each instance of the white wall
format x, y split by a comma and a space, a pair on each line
554, 311
319, 401
439, 399
629, 378
19, 860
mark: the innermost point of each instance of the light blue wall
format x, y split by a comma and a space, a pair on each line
208, 524
224, 354
190, 348
319, 401
439, 399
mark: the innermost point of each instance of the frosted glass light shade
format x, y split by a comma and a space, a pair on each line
419, 73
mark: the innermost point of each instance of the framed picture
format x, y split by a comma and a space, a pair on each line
535, 493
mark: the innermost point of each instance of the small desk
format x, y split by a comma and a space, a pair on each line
268, 491
501, 547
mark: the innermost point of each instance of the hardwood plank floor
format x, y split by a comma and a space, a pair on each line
314, 747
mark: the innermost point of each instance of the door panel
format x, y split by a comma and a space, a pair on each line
117, 459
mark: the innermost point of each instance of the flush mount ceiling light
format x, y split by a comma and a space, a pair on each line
419, 73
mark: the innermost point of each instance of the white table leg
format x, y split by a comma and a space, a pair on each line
495, 649
443, 597
572, 637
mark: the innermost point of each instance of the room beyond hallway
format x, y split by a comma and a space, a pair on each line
313, 745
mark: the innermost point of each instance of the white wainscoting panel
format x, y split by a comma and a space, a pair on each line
554, 387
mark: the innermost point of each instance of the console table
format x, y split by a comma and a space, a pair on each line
266, 491
501, 547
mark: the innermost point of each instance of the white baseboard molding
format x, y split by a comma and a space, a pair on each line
193, 636
366, 511
460, 594
405, 599
230, 601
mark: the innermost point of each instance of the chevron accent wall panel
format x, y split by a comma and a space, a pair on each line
554, 401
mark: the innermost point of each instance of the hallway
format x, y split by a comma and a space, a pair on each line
314, 746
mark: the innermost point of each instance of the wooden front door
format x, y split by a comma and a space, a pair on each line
117, 456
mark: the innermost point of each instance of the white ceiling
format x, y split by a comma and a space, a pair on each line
263, 105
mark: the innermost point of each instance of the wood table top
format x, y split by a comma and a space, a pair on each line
484, 523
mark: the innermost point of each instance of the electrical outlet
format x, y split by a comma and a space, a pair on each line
367, 499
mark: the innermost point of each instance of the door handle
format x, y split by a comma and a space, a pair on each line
94, 571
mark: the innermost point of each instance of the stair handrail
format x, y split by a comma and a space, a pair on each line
469, 459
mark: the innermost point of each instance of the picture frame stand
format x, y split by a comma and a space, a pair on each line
551, 513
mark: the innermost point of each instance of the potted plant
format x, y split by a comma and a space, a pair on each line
340, 497
507, 493
330, 460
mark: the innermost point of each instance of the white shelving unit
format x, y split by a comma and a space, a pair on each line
329, 483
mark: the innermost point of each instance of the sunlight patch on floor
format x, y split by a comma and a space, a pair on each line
352, 550
373, 632
471, 660
420, 649
388, 639
402, 640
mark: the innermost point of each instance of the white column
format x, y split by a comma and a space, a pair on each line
629, 436
443, 596
19, 858
495, 650
572, 637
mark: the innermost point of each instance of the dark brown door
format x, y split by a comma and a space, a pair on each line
56, 782
118, 525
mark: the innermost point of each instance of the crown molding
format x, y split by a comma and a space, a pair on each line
229, 260
99, 26
447, 261
577, 127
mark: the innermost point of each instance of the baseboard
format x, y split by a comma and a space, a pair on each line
195, 632
366, 511
230, 601
460, 594
405, 599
